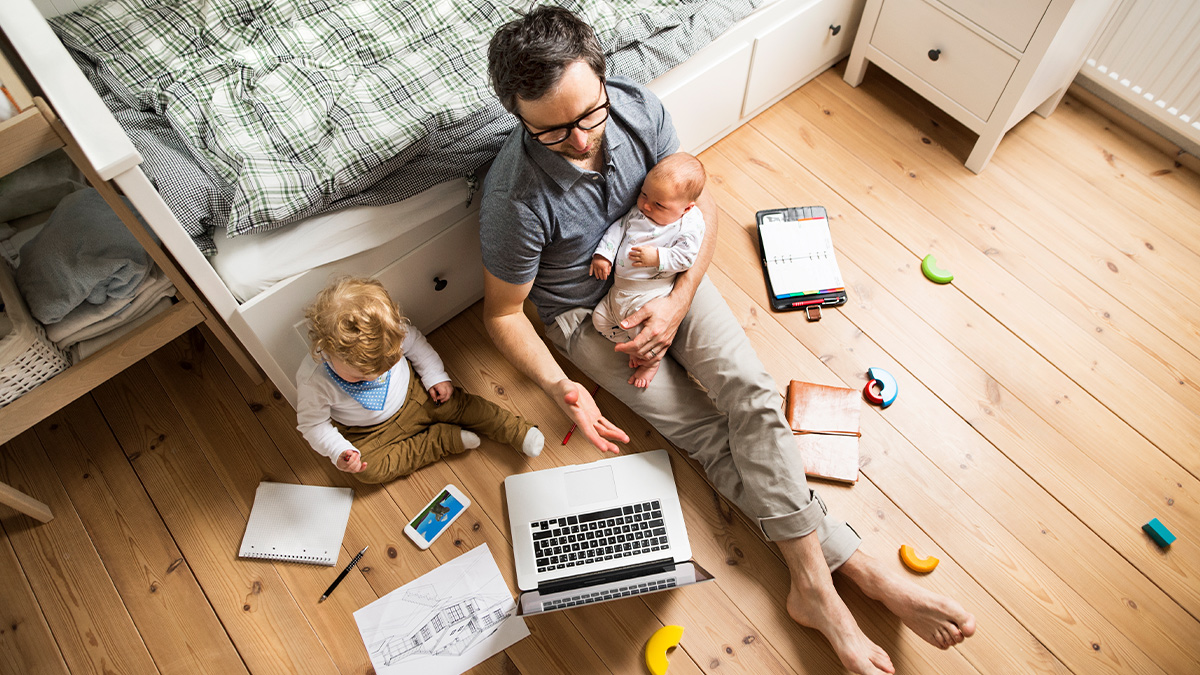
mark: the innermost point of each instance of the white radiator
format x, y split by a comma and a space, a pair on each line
1149, 57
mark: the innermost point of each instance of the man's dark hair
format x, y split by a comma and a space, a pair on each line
528, 55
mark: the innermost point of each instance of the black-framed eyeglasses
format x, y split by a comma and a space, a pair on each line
587, 121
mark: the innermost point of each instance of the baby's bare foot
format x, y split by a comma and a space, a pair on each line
644, 374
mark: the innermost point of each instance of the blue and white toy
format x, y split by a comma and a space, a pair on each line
888, 389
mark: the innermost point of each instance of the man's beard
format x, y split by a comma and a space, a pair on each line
595, 143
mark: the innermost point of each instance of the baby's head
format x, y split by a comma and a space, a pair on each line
671, 188
356, 328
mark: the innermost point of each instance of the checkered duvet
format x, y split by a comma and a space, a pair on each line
251, 114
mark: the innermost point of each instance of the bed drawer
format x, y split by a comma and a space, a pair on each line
709, 101
439, 278
795, 48
944, 53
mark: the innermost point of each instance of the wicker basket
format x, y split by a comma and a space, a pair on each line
27, 357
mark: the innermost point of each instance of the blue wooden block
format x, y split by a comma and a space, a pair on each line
1159, 533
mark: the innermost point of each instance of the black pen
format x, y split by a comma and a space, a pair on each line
341, 576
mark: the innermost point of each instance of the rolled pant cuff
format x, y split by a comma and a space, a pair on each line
841, 543
797, 523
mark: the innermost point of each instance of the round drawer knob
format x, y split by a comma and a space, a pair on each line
934, 54
835, 29
439, 283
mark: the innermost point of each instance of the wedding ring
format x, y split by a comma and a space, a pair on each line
652, 352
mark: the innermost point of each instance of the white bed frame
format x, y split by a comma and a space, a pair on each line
760, 60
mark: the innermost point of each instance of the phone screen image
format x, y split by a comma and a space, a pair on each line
437, 516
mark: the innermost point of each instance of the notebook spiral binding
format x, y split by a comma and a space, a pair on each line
275, 555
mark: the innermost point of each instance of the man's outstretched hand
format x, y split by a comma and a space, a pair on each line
581, 407
659, 319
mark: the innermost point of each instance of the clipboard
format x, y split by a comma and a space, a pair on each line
815, 280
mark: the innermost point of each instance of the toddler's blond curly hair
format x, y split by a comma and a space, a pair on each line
355, 320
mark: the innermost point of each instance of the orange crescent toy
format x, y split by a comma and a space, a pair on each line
923, 565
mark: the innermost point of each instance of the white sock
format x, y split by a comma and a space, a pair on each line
470, 439
533, 443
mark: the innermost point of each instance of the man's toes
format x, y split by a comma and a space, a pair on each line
968, 626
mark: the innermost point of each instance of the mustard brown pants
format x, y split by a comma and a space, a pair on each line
422, 432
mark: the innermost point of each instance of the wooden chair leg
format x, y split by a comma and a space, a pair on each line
22, 502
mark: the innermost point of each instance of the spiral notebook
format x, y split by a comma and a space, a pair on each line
798, 259
297, 523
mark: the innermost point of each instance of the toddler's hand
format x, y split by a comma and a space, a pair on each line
600, 267
440, 392
644, 256
350, 461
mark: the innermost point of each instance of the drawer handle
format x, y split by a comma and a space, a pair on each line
835, 29
934, 54
439, 283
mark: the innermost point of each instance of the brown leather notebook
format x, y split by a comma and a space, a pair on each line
825, 422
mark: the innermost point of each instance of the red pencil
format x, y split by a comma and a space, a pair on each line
572, 429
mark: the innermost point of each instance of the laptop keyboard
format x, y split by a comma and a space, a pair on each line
619, 532
621, 592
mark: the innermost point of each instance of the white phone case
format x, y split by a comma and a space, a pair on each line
419, 538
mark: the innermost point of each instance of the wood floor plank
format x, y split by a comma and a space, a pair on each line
1019, 505
237, 446
966, 534
1078, 206
26, 645
1045, 616
963, 205
749, 572
1003, 378
1040, 384
82, 608
156, 584
1141, 402
376, 519
1112, 167
269, 630
1078, 117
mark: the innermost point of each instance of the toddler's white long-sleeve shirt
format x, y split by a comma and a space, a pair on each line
319, 400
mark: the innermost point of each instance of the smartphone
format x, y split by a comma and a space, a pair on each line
436, 517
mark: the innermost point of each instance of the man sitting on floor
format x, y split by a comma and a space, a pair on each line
574, 166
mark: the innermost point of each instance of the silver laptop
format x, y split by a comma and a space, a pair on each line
595, 532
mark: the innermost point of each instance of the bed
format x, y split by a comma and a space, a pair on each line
405, 215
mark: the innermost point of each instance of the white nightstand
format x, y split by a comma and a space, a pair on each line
988, 64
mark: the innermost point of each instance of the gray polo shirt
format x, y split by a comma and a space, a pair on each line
541, 217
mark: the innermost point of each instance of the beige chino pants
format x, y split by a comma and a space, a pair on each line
735, 429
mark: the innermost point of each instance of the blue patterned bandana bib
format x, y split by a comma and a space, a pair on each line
370, 394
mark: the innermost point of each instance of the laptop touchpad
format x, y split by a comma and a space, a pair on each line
588, 486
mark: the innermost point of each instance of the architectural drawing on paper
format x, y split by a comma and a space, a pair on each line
446, 627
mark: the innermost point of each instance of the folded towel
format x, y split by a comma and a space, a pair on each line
90, 346
144, 301
83, 254
87, 314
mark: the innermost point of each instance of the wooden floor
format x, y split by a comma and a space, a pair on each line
1048, 408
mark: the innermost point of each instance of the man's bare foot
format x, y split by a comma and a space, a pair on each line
939, 620
644, 374
824, 610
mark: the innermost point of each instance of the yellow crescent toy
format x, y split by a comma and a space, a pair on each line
656, 648
922, 565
